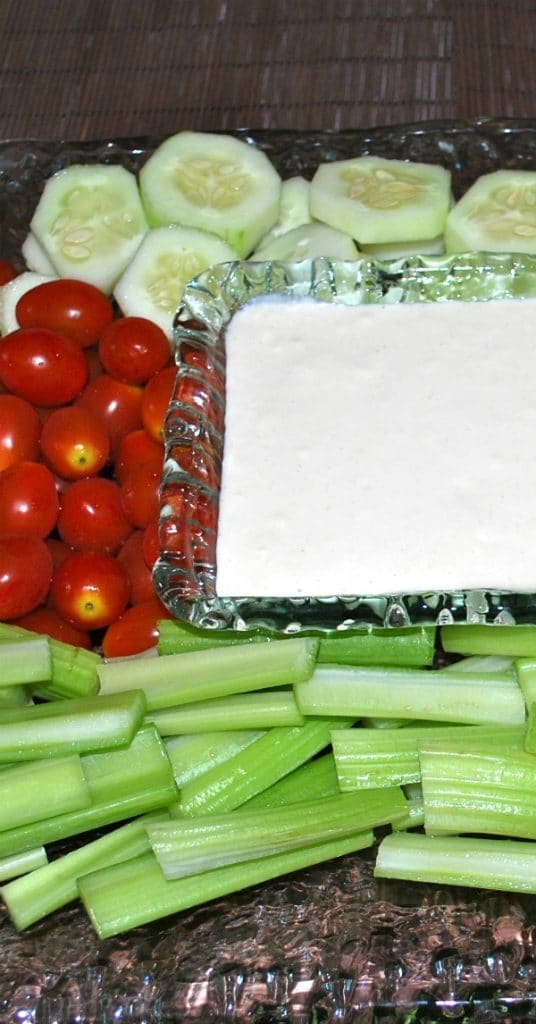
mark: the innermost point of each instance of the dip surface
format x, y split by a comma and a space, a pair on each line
379, 449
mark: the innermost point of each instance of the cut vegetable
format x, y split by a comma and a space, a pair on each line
505, 641
35, 256
73, 669
90, 222
213, 182
192, 755
308, 242
263, 710
293, 208
31, 792
377, 200
22, 863
496, 214
400, 250
10, 294
24, 662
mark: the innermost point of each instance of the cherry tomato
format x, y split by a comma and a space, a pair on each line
74, 442
90, 589
7, 272
58, 550
42, 366
151, 541
132, 559
25, 574
47, 621
135, 630
141, 493
133, 349
134, 449
74, 308
20, 428
117, 405
92, 515
156, 398
29, 502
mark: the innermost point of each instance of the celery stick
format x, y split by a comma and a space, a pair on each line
123, 783
514, 641
194, 754
25, 662
262, 763
52, 886
22, 863
411, 693
180, 638
410, 647
80, 725
189, 847
503, 864
526, 674
415, 814
311, 781
73, 669
36, 790
530, 733
482, 664
14, 697
263, 710
183, 678
136, 892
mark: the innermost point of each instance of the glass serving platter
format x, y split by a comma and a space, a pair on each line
330, 944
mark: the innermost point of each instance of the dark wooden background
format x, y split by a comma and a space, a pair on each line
94, 68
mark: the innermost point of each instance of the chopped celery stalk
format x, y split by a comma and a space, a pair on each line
14, 697
52, 886
526, 675
412, 693
530, 732
33, 791
25, 662
262, 763
386, 723
504, 864
263, 710
482, 663
182, 678
188, 847
410, 647
414, 817
73, 669
514, 641
180, 638
122, 782
136, 892
80, 725
368, 758
311, 781
22, 863
194, 754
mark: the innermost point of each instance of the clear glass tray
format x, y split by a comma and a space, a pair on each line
330, 945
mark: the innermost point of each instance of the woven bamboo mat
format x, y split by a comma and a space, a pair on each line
91, 68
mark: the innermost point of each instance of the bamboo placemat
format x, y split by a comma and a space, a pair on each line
93, 68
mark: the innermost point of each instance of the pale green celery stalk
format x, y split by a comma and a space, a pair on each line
263, 710
526, 674
478, 787
503, 864
73, 669
25, 662
14, 697
273, 755
33, 791
311, 781
194, 754
511, 641
412, 693
482, 664
22, 863
136, 892
386, 723
182, 678
80, 725
530, 734
188, 847
180, 638
123, 783
33, 896
368, 758
415, 814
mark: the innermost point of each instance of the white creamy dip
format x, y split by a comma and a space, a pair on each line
379, 449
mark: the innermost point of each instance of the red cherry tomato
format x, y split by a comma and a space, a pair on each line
141, 493
7, 272
132, 559
74, 442
92, 516
20, 428
133, 349
90, 589
135, 630
29, 503
151, 541
117, 405
58, 550
41, 366
74, 308
25, 574
47, 621
156, 398
134, 449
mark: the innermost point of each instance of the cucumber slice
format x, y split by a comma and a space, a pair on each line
398, 250
10, 294
497, 214
215, 183
153, 284
35, 256
90, 222
378, 200
308, 242
294, 208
